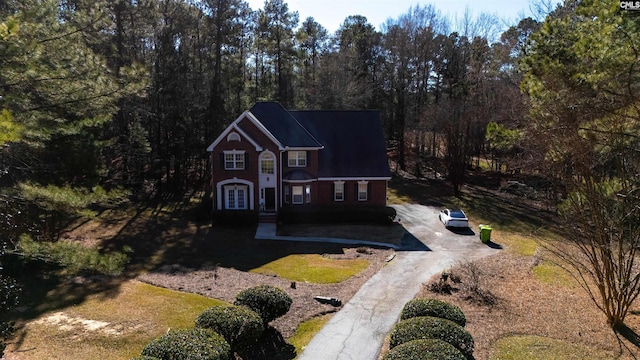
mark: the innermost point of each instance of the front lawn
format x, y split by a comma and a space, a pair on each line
114, 324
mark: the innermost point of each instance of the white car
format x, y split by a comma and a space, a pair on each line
454, 218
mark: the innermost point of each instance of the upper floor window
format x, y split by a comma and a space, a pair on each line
234, 160
267, 164
297, 158
233, 137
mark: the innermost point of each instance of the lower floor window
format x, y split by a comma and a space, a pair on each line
297, 194
236, 197
363, 187
338, 191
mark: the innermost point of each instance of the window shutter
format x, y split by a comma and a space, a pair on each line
221, 161
308, 158
246, 160
345, 190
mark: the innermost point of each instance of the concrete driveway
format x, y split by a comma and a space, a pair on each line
358, 330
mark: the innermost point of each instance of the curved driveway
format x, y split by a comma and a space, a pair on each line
358, 330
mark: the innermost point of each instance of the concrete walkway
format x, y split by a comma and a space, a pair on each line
358, 330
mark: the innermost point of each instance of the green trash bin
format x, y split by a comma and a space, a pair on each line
485, 233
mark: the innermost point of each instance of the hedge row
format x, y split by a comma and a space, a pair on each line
430, 329
425, 349
268, 301
240, 326
189, 344
435, 308
222, 330
346, 214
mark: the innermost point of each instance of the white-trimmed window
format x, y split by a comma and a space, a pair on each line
297, 192
233, 137
297, 158
338, 190
234, 160
363, 190
307, 193
267, 164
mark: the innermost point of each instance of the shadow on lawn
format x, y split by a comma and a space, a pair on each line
501, 210
270, 346
629, 334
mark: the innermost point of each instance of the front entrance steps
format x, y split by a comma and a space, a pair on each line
265, 217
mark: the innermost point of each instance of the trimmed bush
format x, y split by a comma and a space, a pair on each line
191, 344
268, 301
435, 308
143, 357
239, 325
427, 327
425, 349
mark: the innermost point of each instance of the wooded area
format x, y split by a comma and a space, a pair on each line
102, 100
126, 95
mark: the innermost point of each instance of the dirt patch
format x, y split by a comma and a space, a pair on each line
79, 325
225, 283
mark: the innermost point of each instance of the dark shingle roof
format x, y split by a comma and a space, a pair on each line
283, 126
354, 144
351, 143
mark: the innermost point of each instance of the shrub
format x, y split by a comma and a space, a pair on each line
427, 327
191, 344
144, 357
424, 349
435, 308
239, 325
331, 214
268, 301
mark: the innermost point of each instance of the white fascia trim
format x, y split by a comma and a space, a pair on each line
261, 127
297, 148
244, 134
234, 126
299, 181
353, 178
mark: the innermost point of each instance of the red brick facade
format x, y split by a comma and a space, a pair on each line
242, 181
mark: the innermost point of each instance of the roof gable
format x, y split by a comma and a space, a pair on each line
234, 127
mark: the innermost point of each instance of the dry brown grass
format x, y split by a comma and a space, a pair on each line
530, 306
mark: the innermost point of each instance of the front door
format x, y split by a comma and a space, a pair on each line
235, 197
268, 181
270, 199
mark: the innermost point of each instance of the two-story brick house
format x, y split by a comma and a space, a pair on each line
270, 158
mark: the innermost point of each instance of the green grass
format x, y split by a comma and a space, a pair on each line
517, 243
553, 274
114, 324
313, 268
306, 331
541, 348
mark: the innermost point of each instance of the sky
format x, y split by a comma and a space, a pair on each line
331, 13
